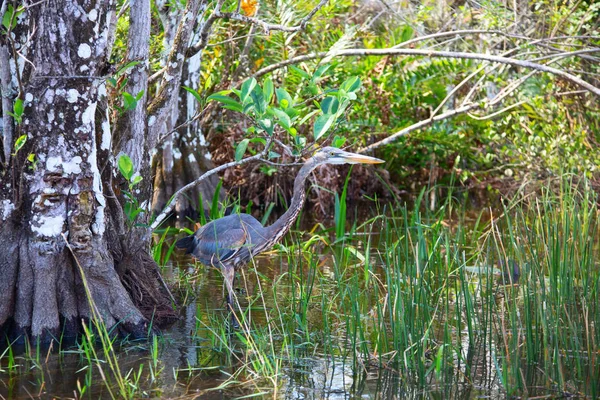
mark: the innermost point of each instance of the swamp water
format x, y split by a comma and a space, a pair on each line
389, 312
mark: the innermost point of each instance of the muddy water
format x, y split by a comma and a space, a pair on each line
192, 363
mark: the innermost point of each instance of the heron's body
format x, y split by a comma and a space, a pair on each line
232, 241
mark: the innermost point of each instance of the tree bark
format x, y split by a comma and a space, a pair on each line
67, 193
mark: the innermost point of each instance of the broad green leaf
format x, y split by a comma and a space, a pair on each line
228, 102
407, 34
125, 166
129, 102
139, 95
18, 107
268, 90
351, 84
240, 149
322, 125
320, 71
267, 125
7, 17
283, 95
247, 88
193, 93
260, 105
284, 119
20, 142
330, 105
136, 179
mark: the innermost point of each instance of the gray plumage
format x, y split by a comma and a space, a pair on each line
231, 242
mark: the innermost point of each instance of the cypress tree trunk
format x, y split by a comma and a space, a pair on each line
59, 187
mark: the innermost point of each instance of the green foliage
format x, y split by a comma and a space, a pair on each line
132, 207
289, 114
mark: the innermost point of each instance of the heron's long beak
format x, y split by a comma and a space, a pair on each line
354, 158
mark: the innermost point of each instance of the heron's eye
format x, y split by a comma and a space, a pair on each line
332, 153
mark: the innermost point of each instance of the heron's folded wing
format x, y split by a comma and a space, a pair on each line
219, 245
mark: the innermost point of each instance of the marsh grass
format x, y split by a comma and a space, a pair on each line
406, 299
398, 293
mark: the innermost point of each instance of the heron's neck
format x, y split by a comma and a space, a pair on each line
284, 223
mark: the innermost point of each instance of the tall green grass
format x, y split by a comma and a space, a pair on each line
399, 292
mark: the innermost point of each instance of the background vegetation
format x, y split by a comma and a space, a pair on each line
411, 298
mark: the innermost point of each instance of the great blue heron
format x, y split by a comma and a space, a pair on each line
230, 242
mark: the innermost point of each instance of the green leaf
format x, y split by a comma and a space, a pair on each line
407, 34
307, 117
322, 125
351, 84
193, 93
267, 125
247, 88
139, 95
129, 102
330, 105
20, 142
284, 119
260, 105
136, 179
241, 149
300, 72
268, 90
125, 67
284, 96
125, 166
7, 17
18, 107
228, 102
320, 71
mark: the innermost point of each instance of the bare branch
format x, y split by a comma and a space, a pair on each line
169, 207
452, 113
436, 53
205, 31
421, 124
267, 27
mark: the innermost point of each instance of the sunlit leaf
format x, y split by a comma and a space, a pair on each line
284, 119
268, 90
247, 88
20, 142
228, 102
284, 98
322, 125
351, 84
18, 107
320, 71
125, 166
193, 93
241, 149
330, 105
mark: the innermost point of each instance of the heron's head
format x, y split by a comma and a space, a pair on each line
333, 155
